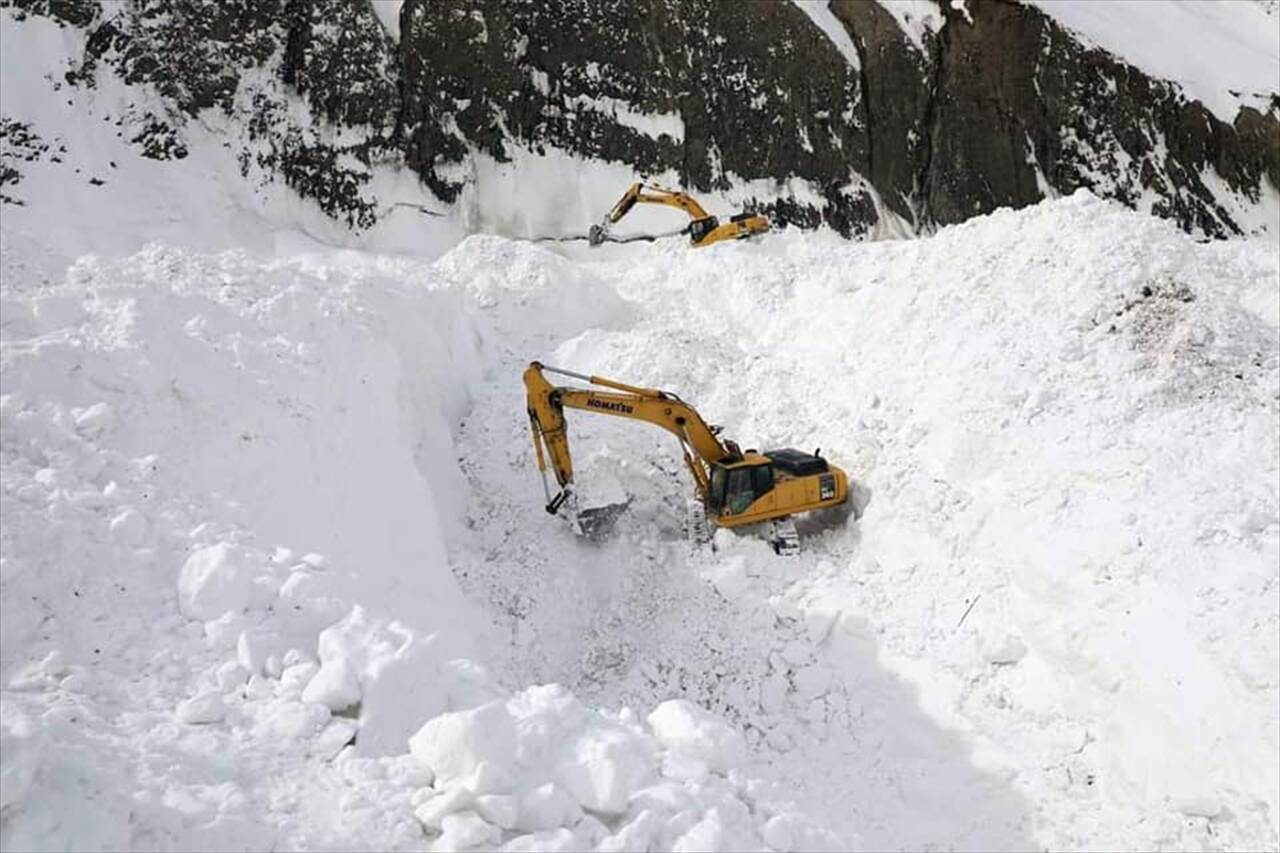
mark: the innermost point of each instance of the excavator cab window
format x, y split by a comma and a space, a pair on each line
734, 490
700, 228
761, 479
741, 491
719, 481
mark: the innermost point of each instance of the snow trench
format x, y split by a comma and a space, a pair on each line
276, 574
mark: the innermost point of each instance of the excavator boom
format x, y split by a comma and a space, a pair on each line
546, 404
703, 229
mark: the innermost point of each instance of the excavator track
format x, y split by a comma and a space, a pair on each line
784, 537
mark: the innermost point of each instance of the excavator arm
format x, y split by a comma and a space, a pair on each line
546, 404
703, 228
651, 194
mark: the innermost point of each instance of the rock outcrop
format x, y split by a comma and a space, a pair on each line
990, 104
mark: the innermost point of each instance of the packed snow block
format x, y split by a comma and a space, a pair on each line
413, 684
432, 811
467, 829
683, 727
639, 833
230, 675
607, 765
204, 708
546, 807
499, 809
334, 737
400, 678
287, 722
453, 744
706, 834
334, 685
594, 757
213, 582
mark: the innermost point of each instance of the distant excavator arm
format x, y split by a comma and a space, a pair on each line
703, 229
651, 194
546, 404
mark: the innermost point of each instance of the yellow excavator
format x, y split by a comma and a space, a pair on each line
703, 229
733, 488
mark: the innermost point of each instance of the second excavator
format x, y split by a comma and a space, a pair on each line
703, 228
733, 487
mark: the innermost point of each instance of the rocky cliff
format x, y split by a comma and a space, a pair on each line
980, 105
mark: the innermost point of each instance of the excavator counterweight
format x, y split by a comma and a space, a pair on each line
703, 228
734, 488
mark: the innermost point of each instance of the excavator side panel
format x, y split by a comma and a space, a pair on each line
791, 496
748, 225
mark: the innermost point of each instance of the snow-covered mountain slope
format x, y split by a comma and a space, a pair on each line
873, 118
257, 507
1230, 55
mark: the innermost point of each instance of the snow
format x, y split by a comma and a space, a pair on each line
388, 12
915, 18
686, 729
653, 125
275, 574
819, 11
1225, 55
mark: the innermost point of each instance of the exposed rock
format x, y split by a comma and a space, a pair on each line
999, 106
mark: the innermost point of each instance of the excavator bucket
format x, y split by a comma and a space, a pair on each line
597, 522
599, 505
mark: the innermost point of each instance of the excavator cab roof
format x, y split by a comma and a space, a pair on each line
788, 460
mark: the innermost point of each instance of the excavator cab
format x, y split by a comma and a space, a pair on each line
734, 488
700, 228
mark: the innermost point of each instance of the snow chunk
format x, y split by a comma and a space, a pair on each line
607, 766
546, 807
500, 809
400, 679
706, 834
95, 420
434, 810
453, 744
467, 829
213, 582
683, 727
205, 708
334, 686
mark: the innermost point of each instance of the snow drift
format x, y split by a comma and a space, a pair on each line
275, 572
228, 487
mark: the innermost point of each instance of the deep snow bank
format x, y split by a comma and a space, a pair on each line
1059, 621
228, 484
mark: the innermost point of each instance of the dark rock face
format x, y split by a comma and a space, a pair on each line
998, 107
781, 102
1009, 106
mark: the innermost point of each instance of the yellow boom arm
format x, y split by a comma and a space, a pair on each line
546, 404
651, 194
